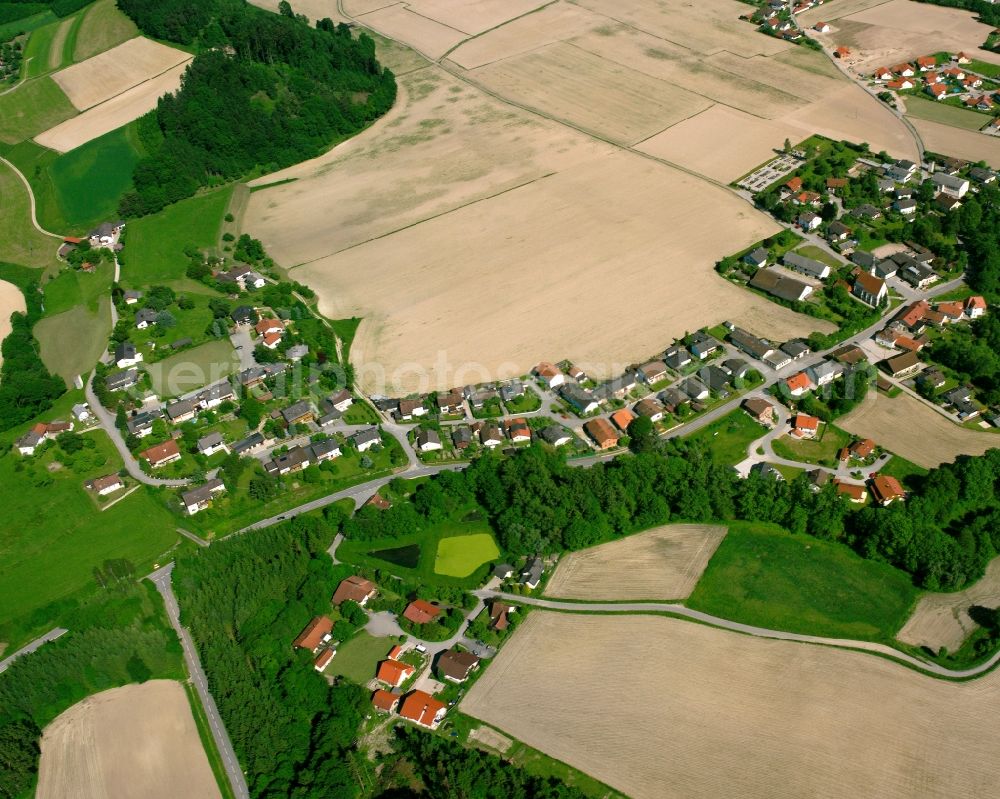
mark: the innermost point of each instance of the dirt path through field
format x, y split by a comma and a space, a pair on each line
11, 300
135, 741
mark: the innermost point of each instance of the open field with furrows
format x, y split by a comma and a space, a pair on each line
966, 144
432, 39
906, 426
110, 73
473, 16
665, 702
943, 619
11, 301
662, 563
901, 30
137, 740
106, 117
831, 12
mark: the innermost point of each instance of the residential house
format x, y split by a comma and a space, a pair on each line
555, 435
420, 611
695, 389
616, 388
182, 411
108, 484
127, 355
385, 701
377, 501
677, 357
198, 499
907, 208
849, 355
81, 412
294, 460
243, 315
451, 403
356, 589
500, 614
752, 345
926, 62
886, 489
131, 296
767, 470
702, 345
904, 70
798, 384
903, 366
757, 257
939, 91
248, 446
394, 673
145, 317
795, 349
818, 478
503, 571
841, 52
141, 424
869, 289
809, 221
423, 709
31, 440
918, 275
837, 231
365, 439
214, 396
162, 454
804, 426
649, 408
549, 374
315, 634
518, 430
863, 259
577, 373
794, 184
912, 316
761, 410
716, 378
300, 412
946, 204
833, 185
867, 211
490, 435
602, 433
455, 665
981, 175
781, 286
855, 493
105, 234
119, 381
975, 307
531, 574
622, 419
822, 27
825, 372
653, 372
410, 408
806, 266
428, 441
461, 437
583, 402
737, 368
323, 659
514, 389
325, 450
950, 185
673, 398
862, 449
777, 359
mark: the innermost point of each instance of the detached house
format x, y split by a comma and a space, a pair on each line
602, 433
423, 709
456, 666
315, 634
886, 489
198, 499
144, 318
804, 426
162, 454
549, 374
127, 355
356, 589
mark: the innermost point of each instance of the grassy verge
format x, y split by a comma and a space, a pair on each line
820, 450
729, 437
208, 742
765, 576
358, 658
936, 111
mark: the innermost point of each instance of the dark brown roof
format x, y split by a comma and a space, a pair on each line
457, 664
355, 588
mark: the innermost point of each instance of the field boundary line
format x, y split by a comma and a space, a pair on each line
472, 36
187, 60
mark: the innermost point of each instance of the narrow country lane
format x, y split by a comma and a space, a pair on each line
31, 199
27, 649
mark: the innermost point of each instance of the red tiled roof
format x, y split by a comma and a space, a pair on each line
623, 419
887, 488
354, 588
798, 382
976, 302
794, 184
395, 652
393, 672
803, 421
862, 448
852, 491
421, 707
323, 659
421, 612
312, 635
161, 452
384, 700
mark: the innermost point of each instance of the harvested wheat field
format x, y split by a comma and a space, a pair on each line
831, 12
943, 619
11, 301
901, 30
114, 113
971, 145
424, 35
662, 563
137, 741
658, 707
117, 70
473, 16
909, 428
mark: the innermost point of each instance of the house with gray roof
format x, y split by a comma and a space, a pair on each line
119, 381
807, 266
212, 443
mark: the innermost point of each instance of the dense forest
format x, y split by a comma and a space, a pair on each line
266, 91
27, 388
979, 229
244, 601
943, 535
13, 10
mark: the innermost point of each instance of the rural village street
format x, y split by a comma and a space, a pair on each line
161, 578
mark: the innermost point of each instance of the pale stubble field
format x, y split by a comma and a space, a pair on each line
661, 708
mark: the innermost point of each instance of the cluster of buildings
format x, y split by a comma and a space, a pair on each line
939, 81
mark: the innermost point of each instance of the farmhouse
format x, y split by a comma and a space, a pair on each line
423, 709
356, 589
162, 454
27, 443
108, 484
780, 286
394, 673
886, 489
316, 633
106, 234
420, 611
197, 499
456, 665
602, 433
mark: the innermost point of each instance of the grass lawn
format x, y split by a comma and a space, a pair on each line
70, 343
32, 108
360, 413
527, 403
193, 368
192, 323
103, 27
460, 556
10, 29
22, 244
54, 535
729, 437
764, 576
358, 658
985, 68
71, 288
821, 450
811, 251
903, 470
154, 245
937, 111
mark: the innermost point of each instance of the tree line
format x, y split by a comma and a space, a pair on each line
266, 91
984, 9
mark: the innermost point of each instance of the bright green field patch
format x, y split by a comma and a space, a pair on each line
70, 288
20, 243
358, 658
193, 368
937, 111
32, 108
36, 51
102, 28
154, 246
460, 556
764, 576
11, 29
53, 535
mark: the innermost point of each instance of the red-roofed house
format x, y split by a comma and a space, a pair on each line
162, 454
912, 314
355, 588
794, 184
862, 448
265, 326
395, 652
975, 307
886, 489
798, 384
385, 701
271, 340
623, 419
323, 660
394, 673
314, 634
855, 493
926, 62
841, 52
937, 90
804, 426
899, 84
423, 709
903, 70
932, 78
421, 612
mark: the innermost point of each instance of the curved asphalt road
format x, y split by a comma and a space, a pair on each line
748, 629
27, 649
237, 780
